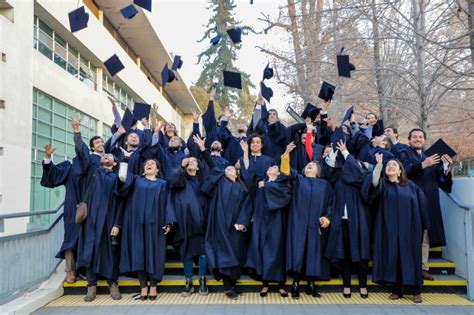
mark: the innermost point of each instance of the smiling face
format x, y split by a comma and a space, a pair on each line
371, 118
107, 160
272, 116
231, 172
170, 129
133, 140
175, 142
256, 145
150, 168
417, 139
193, 165
312, 170
393, 169
390, 133
273, 171
98, 145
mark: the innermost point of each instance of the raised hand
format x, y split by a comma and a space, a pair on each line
121, 130
341, 146
144, 122
379, 158
48, 151
195, 116
244, 146
185, 162
200, 142
112, 100
290, 147
76, 125
227, 112
212, 93
325, 106
159, 126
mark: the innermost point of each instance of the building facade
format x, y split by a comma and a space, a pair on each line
48, 75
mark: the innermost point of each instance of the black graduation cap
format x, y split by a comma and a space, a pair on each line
327, 91
127, 120
177, 63
344, 67
267, 92
129, 11
232, 79
167, 75
377, 129
310, 111
78, 19
235, 34
267, 72
216, 39
113, 65
294, 115
145, 4
336, 136
348, 114
441, 148
141, 110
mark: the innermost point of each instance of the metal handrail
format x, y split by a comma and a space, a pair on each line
457, 202
29, 214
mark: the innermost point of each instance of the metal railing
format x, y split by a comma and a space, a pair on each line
28, 258
459, 221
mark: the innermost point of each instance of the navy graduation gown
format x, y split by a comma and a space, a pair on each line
266, 252
396, 148
305, 241
347, 193
62, 174
258, 166
224, 246
169, 159
398, 230
230, 144
210, 125
188, 204
429, 180
143, 243
275, 140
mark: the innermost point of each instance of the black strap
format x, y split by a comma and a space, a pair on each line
89, 184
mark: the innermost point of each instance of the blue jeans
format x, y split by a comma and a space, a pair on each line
188, 267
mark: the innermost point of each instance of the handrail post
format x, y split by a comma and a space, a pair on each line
468, 225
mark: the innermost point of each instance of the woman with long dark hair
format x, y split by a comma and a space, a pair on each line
398, 228
146, 221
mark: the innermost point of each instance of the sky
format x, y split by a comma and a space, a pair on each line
181, 23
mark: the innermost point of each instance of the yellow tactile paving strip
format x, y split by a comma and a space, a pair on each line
254, 298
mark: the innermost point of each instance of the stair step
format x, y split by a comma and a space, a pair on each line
175, 280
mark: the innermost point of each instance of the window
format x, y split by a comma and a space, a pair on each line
51, 125
106, 132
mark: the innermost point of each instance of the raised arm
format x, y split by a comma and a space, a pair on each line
82, 150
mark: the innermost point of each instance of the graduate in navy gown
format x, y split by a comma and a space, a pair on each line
96, 250
232, 151
169, 156
225, 245
189, 205
135, 148
266, 252
349, 233
259, 163
429, 173
146, 221
395, 145
211, 126
275, 136
398, 228
169, 133
309, 214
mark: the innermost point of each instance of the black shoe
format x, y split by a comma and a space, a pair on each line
264, 293
188, 289
312, 290
347, 295
237, 290
283, 292
203, 289
364, 296
231, 294
295, 290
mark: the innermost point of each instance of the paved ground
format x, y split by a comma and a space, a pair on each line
273, 309
252, 303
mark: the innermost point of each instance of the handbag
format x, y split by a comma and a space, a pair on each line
81, 210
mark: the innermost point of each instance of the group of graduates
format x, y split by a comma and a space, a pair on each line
280, 201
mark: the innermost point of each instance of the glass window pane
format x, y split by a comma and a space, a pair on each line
41, 142
33, 123
59, 134
60, 147
71, 152
60, 121
45, 28
34, 95
59, 40
44, 129
44, 115
70, 137
59, 108
60, 61
44, 101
